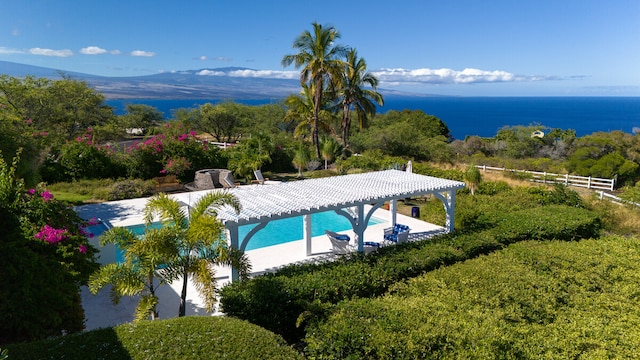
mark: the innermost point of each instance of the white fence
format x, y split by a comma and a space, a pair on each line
551, 178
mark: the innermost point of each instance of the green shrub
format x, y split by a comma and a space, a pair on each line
533, 300
276, 301
130, 189
191, 337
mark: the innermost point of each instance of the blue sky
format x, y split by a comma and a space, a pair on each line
458, 47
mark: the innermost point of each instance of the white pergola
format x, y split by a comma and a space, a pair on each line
263, 203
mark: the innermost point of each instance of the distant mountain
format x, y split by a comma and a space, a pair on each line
188, 84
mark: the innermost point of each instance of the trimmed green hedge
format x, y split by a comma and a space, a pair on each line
191, 337
533, 300
276, 301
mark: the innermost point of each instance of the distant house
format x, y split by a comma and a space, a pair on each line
538, 134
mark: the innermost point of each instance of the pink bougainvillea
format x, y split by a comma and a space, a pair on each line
82, 249
51, 235
46, 195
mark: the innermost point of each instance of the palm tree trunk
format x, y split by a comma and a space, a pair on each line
183, 294
345, 124
316, 115
152, 291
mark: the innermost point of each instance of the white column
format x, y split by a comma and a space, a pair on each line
306, 231
234, 242
393, 212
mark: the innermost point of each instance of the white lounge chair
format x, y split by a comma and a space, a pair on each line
259, 178
341, 243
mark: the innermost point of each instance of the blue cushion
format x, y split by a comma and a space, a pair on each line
391, 237
371, 243
342, 237
401, 228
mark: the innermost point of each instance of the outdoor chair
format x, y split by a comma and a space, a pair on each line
259, 178
397, 234
341, 243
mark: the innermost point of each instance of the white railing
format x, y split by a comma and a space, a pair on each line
551, 178
616, 199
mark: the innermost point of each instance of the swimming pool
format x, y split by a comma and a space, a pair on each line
274, 233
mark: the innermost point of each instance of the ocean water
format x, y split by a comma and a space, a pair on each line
484, 116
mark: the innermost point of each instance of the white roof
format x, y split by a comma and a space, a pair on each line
294, 198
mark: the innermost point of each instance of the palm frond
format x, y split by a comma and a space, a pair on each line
146, 306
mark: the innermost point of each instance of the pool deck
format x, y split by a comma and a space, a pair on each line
100, 312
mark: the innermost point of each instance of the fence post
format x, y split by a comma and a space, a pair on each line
566, 180
544, 179
589, 183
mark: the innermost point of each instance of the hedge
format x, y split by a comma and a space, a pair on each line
533, 300
191, 337
276, 301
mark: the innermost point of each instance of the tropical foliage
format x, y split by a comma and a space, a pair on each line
46, 257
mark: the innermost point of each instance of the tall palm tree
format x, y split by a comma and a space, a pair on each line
201, 243
141, 271
354, 94
319, 58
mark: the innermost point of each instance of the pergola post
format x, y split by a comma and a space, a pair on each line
393, 212
234, 242
451, 206
306, 232
361, 225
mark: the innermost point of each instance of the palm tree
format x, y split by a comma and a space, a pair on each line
201, 243
319, 58
250, 155
141, 271
301, 157
354, 95
330, 148
473, 178
300, 109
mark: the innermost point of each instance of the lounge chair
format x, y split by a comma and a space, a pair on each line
341, 243
228, 181
259, 178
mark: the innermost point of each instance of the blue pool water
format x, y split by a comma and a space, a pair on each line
274, 233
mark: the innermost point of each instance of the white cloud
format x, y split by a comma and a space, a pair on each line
450, 76
50, 52
92, 50
248, 73
9, 51
143, 53
202, 58
115, 52
211, 73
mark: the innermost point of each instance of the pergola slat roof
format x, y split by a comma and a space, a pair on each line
294, 198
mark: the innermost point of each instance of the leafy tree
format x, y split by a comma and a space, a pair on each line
219, 121
140, 116
63, 108
354, 94
406, 133
319, 58
199, 244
